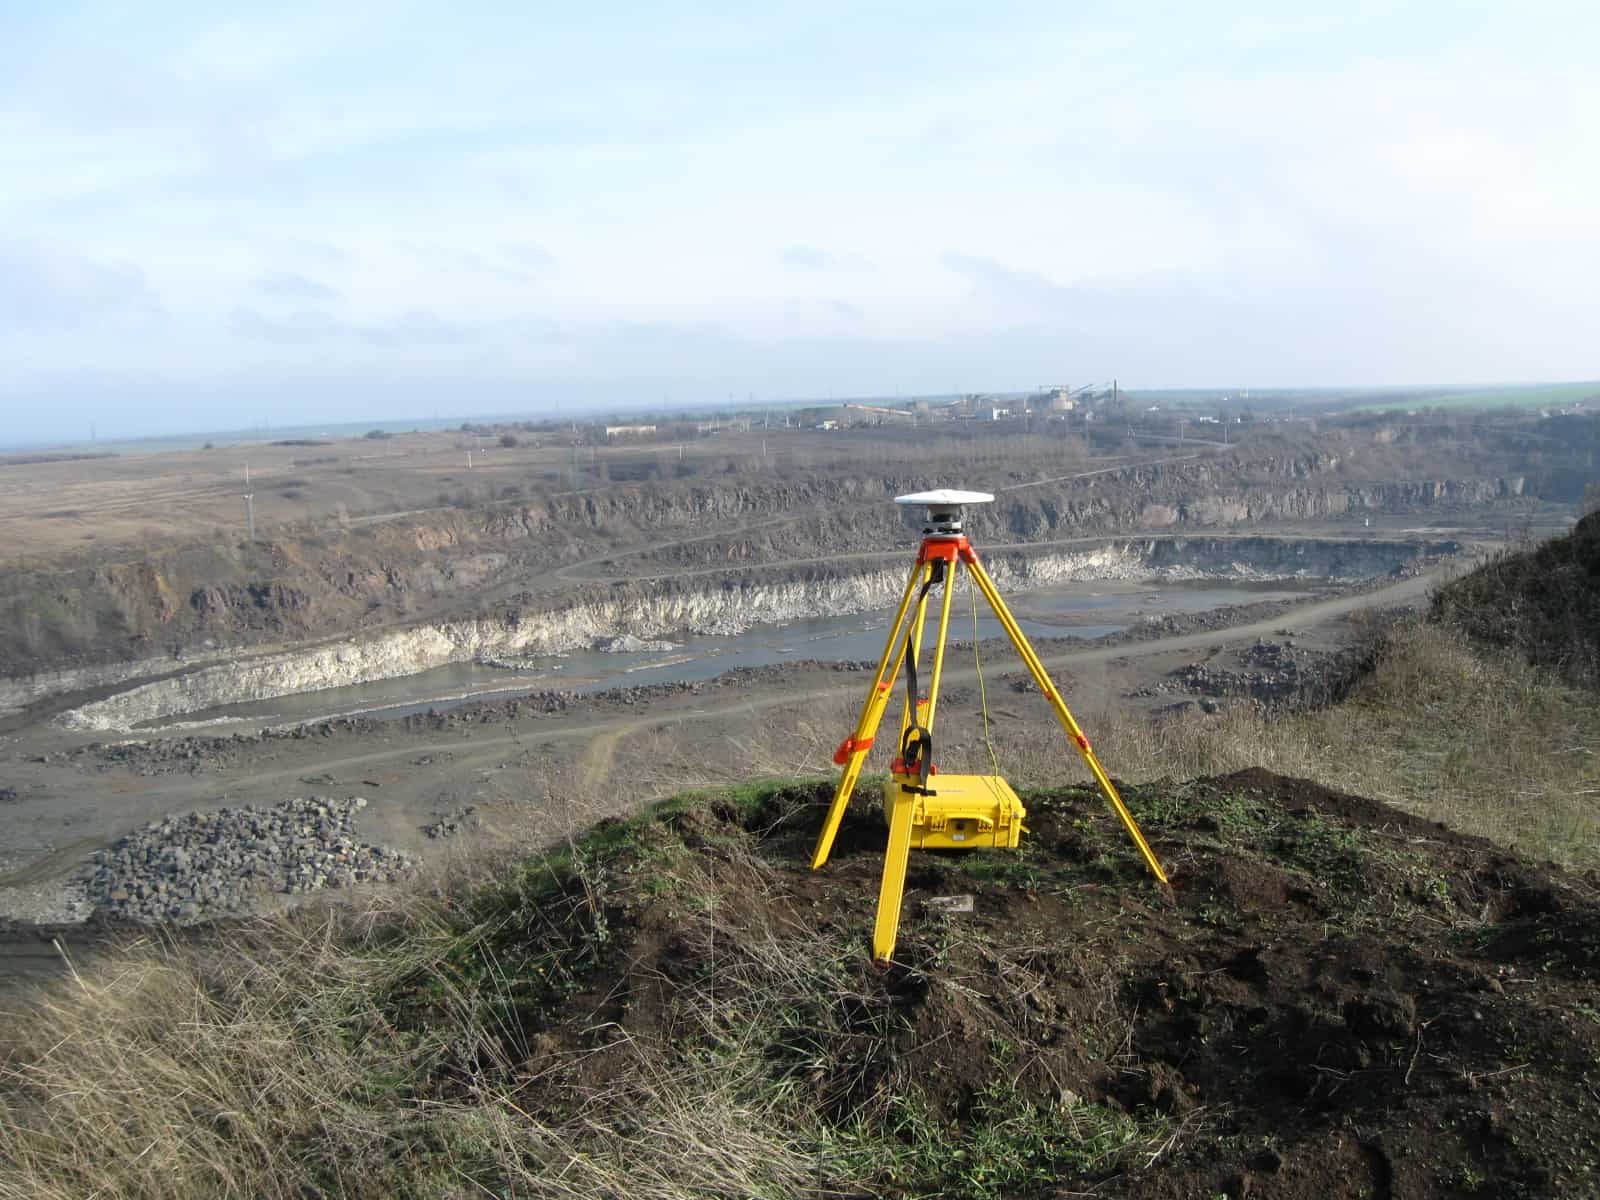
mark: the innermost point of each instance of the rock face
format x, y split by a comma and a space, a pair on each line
72, 625
738, 601
200, 866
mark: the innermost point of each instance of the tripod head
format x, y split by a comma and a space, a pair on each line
944, 508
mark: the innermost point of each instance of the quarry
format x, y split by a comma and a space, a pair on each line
356, 709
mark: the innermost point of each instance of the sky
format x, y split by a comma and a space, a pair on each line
212, 217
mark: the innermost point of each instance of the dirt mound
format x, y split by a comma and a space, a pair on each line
1332, 999
1543, 603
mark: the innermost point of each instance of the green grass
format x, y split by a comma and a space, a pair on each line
1533, 395
1012, 1146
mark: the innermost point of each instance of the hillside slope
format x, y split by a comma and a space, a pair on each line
1333, 999
1543, 603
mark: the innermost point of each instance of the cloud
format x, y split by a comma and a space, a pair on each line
320, 250
289, 286
518, 262
1173, 196
297, 329
1032, 298
420, 328
529, 255
44, 287
308, 327
808, 257
1009, 283
814, 258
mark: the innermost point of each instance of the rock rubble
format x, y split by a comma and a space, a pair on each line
454, 822
1273, 674
197, 866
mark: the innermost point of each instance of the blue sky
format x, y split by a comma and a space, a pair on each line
337, 211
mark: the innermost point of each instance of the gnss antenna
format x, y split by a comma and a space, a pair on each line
944, 508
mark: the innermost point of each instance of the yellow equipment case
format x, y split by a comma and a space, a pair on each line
962, 812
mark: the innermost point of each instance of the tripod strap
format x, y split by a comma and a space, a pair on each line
916, 748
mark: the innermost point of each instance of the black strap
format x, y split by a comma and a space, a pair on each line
916, 747
916, 752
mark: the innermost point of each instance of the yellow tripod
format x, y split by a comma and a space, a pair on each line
926, 809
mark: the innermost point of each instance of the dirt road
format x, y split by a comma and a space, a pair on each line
67, 809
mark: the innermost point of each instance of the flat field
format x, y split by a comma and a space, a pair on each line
56, 509
1532, 395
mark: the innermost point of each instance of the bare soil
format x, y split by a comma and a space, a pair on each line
1333, 999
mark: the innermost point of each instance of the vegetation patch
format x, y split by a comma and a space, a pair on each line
1427, 722
1542, 603
1333, 998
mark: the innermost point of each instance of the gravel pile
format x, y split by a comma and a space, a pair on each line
203, 865
454, 822
1274, 673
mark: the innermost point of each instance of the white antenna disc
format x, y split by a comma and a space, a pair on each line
945, 497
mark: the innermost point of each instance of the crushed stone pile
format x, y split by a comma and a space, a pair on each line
199, 866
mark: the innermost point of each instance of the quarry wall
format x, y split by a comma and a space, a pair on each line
722, 605
95, 623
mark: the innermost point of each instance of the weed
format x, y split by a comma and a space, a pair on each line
1013, 1146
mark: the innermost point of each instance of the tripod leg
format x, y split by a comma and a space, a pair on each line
911, 711
854, 751
894, 877
938, 646
892, 889
1063, 713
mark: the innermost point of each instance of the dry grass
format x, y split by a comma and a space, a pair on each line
379, 1055
1483, 742
266, 1069
1479, 740
201, 1070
